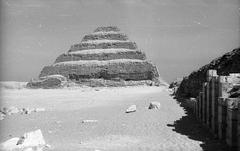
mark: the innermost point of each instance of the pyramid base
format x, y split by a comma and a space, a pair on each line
56, 83
112, 83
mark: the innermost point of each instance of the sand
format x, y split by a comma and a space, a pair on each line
112, 129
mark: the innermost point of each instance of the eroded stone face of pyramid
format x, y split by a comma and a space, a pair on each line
106, 53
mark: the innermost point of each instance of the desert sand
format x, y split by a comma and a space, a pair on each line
107, 127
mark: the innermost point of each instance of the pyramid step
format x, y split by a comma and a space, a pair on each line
106, 29
100, 54
106, 35
127, 69
103, 44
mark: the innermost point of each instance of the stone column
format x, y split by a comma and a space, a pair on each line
214, 97
232, 122
200, 106
204, 89
222, 106
222, 114
197, 107
238, 125
211, 74
208, 104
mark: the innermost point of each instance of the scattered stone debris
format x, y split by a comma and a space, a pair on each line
132, 108
154, 105
89, 121
2, 116
26, 111
14, 110
9, 111
31, 141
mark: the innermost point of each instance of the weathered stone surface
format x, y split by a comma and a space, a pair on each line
228, 63
103, 45
124, 69
107, 29
101, 56
47, 81
109, 36
113, 83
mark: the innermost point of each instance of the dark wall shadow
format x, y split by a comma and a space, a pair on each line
188, 125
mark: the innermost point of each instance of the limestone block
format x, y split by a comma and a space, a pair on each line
154, 105
33, 141
132, 108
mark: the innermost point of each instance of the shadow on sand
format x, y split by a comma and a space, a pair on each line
188, 125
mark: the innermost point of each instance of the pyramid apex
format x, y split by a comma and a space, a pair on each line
107, 28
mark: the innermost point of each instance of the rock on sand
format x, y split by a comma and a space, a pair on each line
132, 108
31, 141
154, 105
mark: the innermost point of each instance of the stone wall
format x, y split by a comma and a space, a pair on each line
102, 56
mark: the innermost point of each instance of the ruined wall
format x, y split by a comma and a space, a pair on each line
217, 109
228, 63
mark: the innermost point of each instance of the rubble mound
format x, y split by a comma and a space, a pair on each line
106, 54
225, 65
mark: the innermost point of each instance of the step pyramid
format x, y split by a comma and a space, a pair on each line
107, 54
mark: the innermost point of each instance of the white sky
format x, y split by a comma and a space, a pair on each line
179, 36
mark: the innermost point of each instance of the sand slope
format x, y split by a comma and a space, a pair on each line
63, 129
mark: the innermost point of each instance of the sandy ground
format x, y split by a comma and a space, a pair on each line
63, 129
